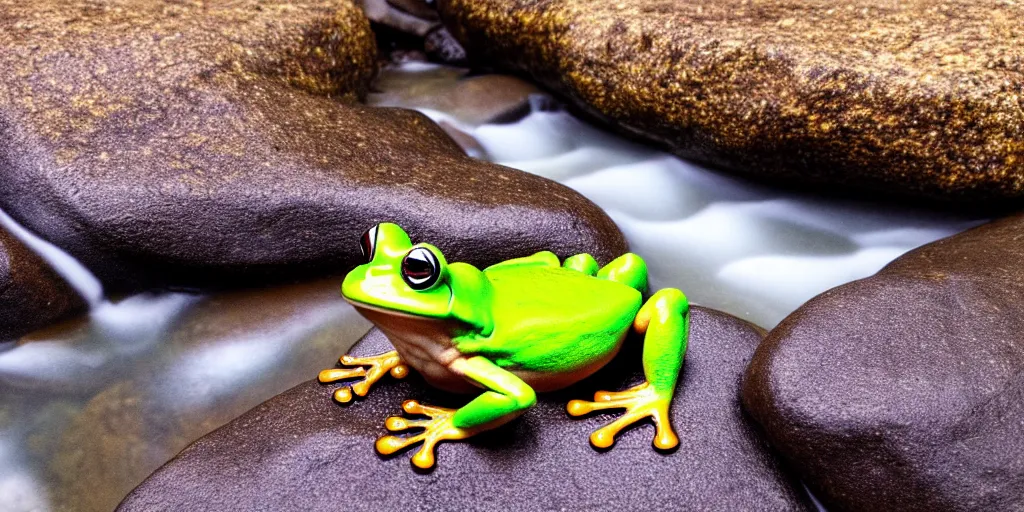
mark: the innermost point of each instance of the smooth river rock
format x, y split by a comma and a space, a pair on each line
32, 295
905, 390
201, 145
300, 450
473, 100
913, 98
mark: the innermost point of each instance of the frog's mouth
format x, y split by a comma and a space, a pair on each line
365, 306
406, 330
403, 314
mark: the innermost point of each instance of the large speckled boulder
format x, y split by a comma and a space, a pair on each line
915, 98
906, 390
300, 450
195, 145
32, 295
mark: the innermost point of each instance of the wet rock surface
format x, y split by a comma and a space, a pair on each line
916, 98
32, 295
412, 29
169, 144
301, 450
906, 390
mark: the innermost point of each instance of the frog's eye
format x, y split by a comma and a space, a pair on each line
420, 268
368, 243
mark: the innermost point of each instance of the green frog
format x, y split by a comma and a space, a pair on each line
507, 332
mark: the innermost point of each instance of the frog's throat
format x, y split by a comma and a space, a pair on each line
361, 306
422, 342
380, 315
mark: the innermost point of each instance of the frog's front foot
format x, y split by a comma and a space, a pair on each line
436, 429
388, 362
639, 402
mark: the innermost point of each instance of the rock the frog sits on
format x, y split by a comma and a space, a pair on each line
519, 327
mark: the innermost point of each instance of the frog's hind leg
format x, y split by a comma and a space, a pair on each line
664, 320
583, 263
628, 269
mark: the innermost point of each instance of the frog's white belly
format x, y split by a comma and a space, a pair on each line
426, 345
423, 343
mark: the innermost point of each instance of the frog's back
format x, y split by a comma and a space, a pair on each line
551, 319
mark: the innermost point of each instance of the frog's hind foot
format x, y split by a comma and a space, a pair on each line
436, 429
388, 362
640, 402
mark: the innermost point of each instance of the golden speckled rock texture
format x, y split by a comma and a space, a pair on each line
915, 98
204, 144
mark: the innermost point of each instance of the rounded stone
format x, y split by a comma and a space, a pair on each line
302, 450
473, 100
183, 145
906, 389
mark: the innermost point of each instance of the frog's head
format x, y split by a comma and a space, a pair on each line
417, 280
400, 276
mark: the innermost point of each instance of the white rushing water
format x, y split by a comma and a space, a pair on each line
750, 250
187, 355
79, 277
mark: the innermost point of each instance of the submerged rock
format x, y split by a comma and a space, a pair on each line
474, 100
912, 98
226, 354
301, 450
906, 390
32, 295
194, 145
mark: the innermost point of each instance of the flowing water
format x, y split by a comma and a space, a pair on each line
90, 407
747, 249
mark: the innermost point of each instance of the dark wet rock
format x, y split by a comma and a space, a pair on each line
419, 8
188, 145
913, 98
301, 450
402, 26
32, 295
474, 100
905, 390
230, 352
441, 46
403, 16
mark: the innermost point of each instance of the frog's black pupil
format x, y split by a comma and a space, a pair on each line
416, 268
420, 269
